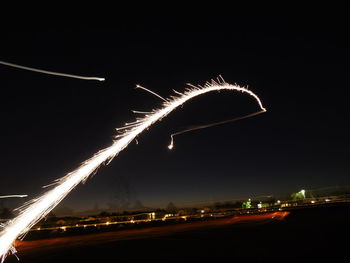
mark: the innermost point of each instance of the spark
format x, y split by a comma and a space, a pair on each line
141, 112
150, 91
50, 72
33, 211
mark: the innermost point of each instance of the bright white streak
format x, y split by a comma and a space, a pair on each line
33, 212
11, 196
50, 72
150, 91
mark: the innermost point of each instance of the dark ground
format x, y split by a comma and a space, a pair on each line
305, 235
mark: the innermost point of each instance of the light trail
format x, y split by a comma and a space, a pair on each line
36, 209
12, 196
171, 145
150, 91
50, 72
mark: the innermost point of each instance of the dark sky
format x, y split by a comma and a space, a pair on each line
298, 65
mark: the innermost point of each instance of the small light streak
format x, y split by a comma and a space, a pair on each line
171, 145
50, 72
12, 196
32, 212
150, 91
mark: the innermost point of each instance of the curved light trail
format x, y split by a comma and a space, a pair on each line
36, 209
171, 145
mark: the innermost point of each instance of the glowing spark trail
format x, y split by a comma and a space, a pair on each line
150, 91
11, 196
50, 72
32, 212
171, 145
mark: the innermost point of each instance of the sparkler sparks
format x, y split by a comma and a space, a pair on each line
150, 91
36, 209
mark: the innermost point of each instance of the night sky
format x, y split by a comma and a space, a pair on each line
299, 69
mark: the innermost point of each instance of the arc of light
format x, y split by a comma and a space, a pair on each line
36, 209
51, 72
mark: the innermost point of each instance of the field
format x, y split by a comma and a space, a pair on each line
300, 235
